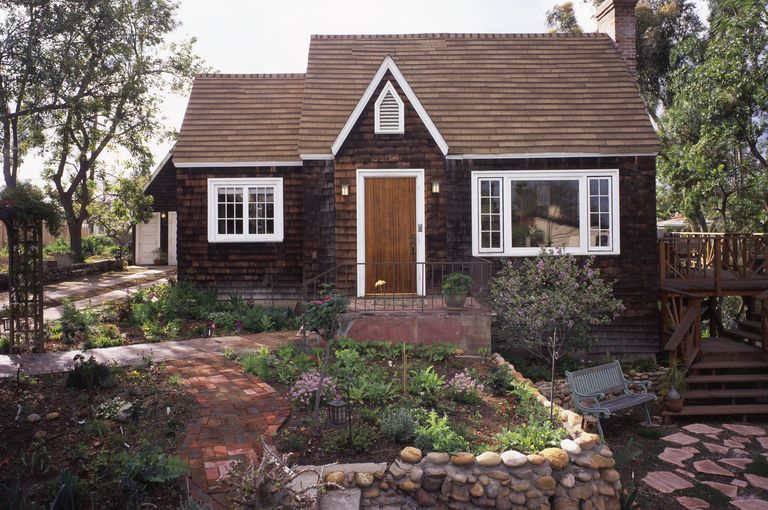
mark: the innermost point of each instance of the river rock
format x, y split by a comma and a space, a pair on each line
476, 490
609, 475
438, 458
34, 418
424, 498
512, 458
462, 459
364, 480
557, 457
545, 483
125, 413
409, 485
335, 477
536, 459
52, 416
570, 446
410, 454
489, 459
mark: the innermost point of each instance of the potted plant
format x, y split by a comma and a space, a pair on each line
456, 287
673, 384
160, 257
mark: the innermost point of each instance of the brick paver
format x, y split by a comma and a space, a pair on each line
236, 409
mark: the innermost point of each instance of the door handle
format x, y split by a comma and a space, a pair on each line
413, 245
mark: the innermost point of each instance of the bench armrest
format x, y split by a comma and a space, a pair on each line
644, 385
598, 396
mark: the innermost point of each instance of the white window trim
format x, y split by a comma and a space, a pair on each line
389, 89
546, 175
215, 237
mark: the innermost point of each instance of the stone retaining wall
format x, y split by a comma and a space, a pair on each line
579, 475
69, 272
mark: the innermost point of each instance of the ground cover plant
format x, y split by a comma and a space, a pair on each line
168, 311
400, 394
99, 436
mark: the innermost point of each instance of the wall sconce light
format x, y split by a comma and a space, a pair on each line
162, 215
435, 186
345, 190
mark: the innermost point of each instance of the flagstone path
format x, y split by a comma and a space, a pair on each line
690, 458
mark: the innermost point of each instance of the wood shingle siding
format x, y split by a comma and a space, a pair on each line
163, 188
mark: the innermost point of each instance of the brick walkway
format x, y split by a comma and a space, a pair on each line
235, 410
50, 362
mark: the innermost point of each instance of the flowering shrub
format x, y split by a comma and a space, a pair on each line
321, 314
465, 388
303, 391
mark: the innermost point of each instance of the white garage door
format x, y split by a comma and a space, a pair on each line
147, 240
172, 238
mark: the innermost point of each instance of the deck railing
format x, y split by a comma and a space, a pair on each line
410, 286
763, 300
681, 324
695, 255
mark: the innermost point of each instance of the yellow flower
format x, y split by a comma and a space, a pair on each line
380, 283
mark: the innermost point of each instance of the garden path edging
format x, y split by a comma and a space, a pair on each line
578, 475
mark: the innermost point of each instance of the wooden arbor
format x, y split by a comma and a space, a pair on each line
727, 373
25, 281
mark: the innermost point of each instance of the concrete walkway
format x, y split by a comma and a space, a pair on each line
50, 362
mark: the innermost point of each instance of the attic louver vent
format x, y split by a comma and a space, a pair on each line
389, 111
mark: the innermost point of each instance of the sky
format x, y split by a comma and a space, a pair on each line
259, 36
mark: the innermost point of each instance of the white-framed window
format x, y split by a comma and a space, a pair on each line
245, 210
389, 112
517, 213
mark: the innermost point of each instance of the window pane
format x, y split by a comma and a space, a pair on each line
490, 213
599, 212
545, 213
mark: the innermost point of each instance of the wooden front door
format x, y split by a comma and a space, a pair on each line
390, 234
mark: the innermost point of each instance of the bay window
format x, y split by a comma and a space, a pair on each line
518, 213
245, 210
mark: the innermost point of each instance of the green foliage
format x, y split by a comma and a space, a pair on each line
68, 489
500, 380
363, 438
321, 315
398, 424
108, 409
530, 437
107, 335
673, 377
37, 457
121, 205
527, 406
59, 245
551, 298
435, 353
436, 435
427, 384
295, 442
283, 366
457, 283
650, 433
28, 202
75, 324
5, 345
562, 18
145, 468
758, 467
372, 388
90, 374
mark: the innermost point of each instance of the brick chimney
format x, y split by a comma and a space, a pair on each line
617, 19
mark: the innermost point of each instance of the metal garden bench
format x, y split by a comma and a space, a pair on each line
590, 386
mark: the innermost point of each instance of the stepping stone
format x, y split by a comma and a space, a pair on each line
685, 473
763, 442
729, 490
737, 463
700, 428
750, 504
739, 451
675, 456
712, 437
716, 448
745, 430
732, 444
760, 482
710, 468
740, 439
666, 481
680, 438
692, 503
347, 499
739, 483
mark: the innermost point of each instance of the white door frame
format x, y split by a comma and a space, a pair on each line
421, 228
173, 256
140, 226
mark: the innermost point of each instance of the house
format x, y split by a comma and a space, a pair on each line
403, 157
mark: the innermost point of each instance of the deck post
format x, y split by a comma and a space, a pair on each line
718, 266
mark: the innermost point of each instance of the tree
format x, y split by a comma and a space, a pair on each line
561, 18
714, 135
550, 303
119, 204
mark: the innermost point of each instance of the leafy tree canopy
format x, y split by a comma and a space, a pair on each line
562, 18
27, 202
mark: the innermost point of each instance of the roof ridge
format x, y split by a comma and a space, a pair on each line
250, 75
460, 35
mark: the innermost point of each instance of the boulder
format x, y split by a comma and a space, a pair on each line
557, 457
411, 455
488, 459
512, 458
335, 477
462, 459
125, 413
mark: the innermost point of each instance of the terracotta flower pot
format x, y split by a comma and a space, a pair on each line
673, 406
455, 301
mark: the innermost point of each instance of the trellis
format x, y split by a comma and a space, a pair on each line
24, 323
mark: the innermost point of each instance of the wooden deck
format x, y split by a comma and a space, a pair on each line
727, 286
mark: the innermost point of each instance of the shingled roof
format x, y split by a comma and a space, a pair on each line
487, 94
237, 118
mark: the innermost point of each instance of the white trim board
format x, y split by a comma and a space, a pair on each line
157, 169
544, 155
316, 157
238, 164
421, 226
389, 65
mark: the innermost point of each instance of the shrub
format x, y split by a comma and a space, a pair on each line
303, 391
457, 283
86, 375
435, 353
398, 424
154, 331
465, 388
75, 324
427, 384
98, 245
531, 437
321, 314
363, 438
257, 363
140, 470
108, 409
107, 336
60, 245
438, 436
5, 345
372, 388
500, 380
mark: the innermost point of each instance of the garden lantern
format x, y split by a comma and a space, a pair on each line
338, 412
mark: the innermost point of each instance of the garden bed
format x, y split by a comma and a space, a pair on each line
164, 312
446, 402
63, 440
